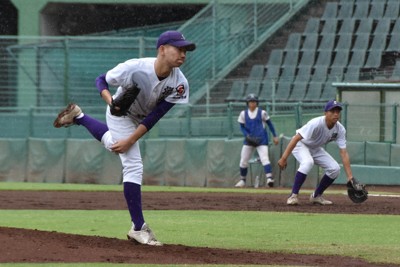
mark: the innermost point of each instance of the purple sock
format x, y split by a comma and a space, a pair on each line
133, 196
326, 181
95, 127
298, 182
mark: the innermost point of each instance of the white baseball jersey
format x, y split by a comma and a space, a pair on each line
253, 115
173, 89
316, 134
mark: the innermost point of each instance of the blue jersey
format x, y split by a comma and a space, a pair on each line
255, 127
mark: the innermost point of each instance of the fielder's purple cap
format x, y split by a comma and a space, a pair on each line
333, 104
176, 39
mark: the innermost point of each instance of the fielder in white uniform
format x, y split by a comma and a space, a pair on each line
306, 147
253, 122
162, 85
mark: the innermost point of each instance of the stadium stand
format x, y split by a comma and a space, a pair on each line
351, 40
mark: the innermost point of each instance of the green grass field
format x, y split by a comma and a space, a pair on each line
371, 237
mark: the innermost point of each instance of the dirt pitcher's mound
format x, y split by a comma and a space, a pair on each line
22, 245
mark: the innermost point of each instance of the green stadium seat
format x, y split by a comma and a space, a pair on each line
327, 42
314, 92
361, 10
294, 42
365, 26
357, 58
392, 9
347, 26
329, 27
383, 26
299, 91
320, 73
341, 58
266, 90
374, 60
377, 10
312, 26
379, 42
307, 58
237, 91
275, 58
330, 11
346, 10
344, 42
361, 42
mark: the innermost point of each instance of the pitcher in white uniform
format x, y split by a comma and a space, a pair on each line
162, 85
307, 147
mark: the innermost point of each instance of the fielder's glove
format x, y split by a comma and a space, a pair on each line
121, 104
356, 191
253, 141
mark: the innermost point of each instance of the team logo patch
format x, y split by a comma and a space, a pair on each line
333, 137
180, 90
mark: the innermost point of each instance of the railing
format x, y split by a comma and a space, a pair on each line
214, 121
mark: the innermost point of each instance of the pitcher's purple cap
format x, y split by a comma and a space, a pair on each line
176, 39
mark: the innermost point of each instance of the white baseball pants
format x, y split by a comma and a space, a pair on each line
308, 156
121, 128
247, 151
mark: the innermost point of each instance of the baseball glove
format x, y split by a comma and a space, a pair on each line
253, 141
120, 105
356, 191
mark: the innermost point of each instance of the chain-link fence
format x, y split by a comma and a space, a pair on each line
363, 122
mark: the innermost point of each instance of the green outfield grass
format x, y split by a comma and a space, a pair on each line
372, 237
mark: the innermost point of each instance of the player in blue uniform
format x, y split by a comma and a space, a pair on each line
253, 122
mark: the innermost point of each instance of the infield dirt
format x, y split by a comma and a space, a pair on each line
22, 245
